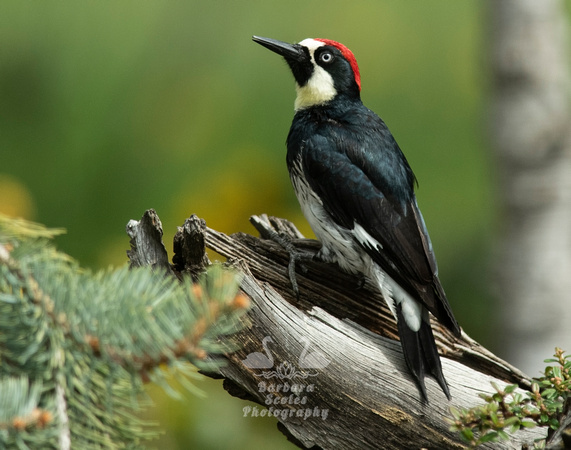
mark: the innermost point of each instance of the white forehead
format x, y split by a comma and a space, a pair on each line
312, 44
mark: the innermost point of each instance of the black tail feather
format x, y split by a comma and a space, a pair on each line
420, 354
431, 356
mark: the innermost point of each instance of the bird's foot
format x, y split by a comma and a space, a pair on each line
296, 258
361, 280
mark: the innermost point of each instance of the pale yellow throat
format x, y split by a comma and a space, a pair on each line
318, 90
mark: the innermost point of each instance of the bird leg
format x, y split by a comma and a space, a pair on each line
296, 257
361, 281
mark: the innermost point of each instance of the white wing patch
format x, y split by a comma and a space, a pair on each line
365, 238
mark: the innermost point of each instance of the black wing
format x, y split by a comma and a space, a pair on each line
373, 187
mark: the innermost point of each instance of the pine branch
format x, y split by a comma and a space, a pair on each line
76, 346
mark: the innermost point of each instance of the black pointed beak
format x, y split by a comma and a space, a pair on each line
296, 56
291, 52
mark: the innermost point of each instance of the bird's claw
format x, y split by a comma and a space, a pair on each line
361, 280
296, 258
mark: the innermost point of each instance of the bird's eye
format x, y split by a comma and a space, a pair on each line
326, 57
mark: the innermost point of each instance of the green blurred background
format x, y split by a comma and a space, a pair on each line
110, 108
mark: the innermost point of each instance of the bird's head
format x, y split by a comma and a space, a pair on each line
323, 69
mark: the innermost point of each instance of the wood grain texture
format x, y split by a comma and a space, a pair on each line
335, 376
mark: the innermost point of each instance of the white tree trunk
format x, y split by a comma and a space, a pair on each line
530, 132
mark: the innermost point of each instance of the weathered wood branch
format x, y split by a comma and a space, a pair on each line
147, 248
329, 365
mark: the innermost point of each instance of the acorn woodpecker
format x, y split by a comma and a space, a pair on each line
356, 190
